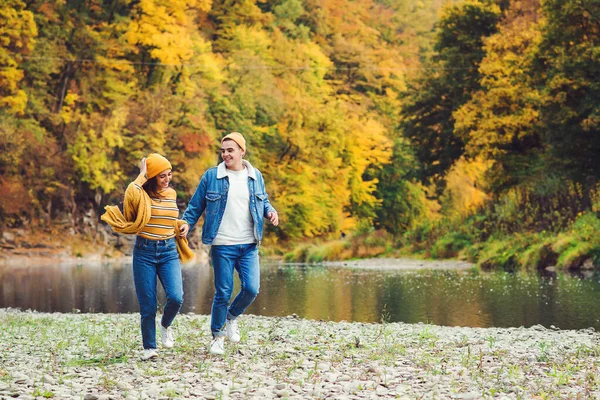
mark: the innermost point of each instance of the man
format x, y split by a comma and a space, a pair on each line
234, 200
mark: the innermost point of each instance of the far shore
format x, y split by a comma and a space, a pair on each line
401, 264
31, 257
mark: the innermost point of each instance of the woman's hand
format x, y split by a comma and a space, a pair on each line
143, 169
183, 231
273, 217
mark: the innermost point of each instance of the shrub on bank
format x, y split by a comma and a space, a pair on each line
315, 253
572, 248
480, 239
450, 245
365, 245
579, 243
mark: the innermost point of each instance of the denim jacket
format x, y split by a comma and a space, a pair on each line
211, 196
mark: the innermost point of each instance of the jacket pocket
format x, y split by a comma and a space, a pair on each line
213, 200
260, 203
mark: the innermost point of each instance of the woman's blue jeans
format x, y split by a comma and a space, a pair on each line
152, 259
244, 259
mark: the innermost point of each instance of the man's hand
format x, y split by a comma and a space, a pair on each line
273, 217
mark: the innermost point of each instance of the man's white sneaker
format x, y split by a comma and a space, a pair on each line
148, 354
217, 346
233, 330
167, 336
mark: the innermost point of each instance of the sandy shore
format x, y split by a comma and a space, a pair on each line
96, 356
33, 259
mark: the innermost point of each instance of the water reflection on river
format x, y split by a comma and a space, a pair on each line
464, 298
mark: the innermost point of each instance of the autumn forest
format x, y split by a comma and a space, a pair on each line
441, 128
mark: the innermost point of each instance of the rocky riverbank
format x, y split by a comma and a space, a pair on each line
96, 356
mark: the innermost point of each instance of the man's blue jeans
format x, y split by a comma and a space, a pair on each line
152, 259
244, 259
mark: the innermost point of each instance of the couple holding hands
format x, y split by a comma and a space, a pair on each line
234, 201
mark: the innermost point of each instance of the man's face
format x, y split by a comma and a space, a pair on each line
231, 154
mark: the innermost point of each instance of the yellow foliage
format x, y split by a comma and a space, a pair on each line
93, 147
15, 103
366, 144
252, 39
17, 38
167, 27
507, 108
595, 197
464, 186
67, 112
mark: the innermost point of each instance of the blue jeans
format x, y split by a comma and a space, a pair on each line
152, 259
244, 259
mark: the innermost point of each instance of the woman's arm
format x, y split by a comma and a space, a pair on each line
133, 193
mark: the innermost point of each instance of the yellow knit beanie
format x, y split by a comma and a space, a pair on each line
155, 164
238, 138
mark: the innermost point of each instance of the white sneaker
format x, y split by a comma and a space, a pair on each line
167, 336
217, 346
148, 354
233, 330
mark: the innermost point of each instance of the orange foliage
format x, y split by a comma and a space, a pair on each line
14, 197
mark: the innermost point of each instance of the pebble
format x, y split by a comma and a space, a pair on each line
469, 396
20, 378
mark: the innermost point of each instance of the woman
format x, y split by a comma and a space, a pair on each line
150, 212
234, 198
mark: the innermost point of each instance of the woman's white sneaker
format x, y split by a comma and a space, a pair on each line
233, 330
167, 336
217, 346
148, 354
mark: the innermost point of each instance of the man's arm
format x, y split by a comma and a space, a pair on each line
196, 205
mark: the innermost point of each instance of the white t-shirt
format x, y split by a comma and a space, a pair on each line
237, 226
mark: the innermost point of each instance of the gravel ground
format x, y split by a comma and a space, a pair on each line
96, 356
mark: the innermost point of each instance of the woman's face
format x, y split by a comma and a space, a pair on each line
163, 179
232, 155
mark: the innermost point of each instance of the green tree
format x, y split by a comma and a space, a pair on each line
447, 85
567, 66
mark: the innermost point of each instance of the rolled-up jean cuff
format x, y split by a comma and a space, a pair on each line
220, 333
231, 316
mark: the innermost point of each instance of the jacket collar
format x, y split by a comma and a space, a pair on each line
222, 170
